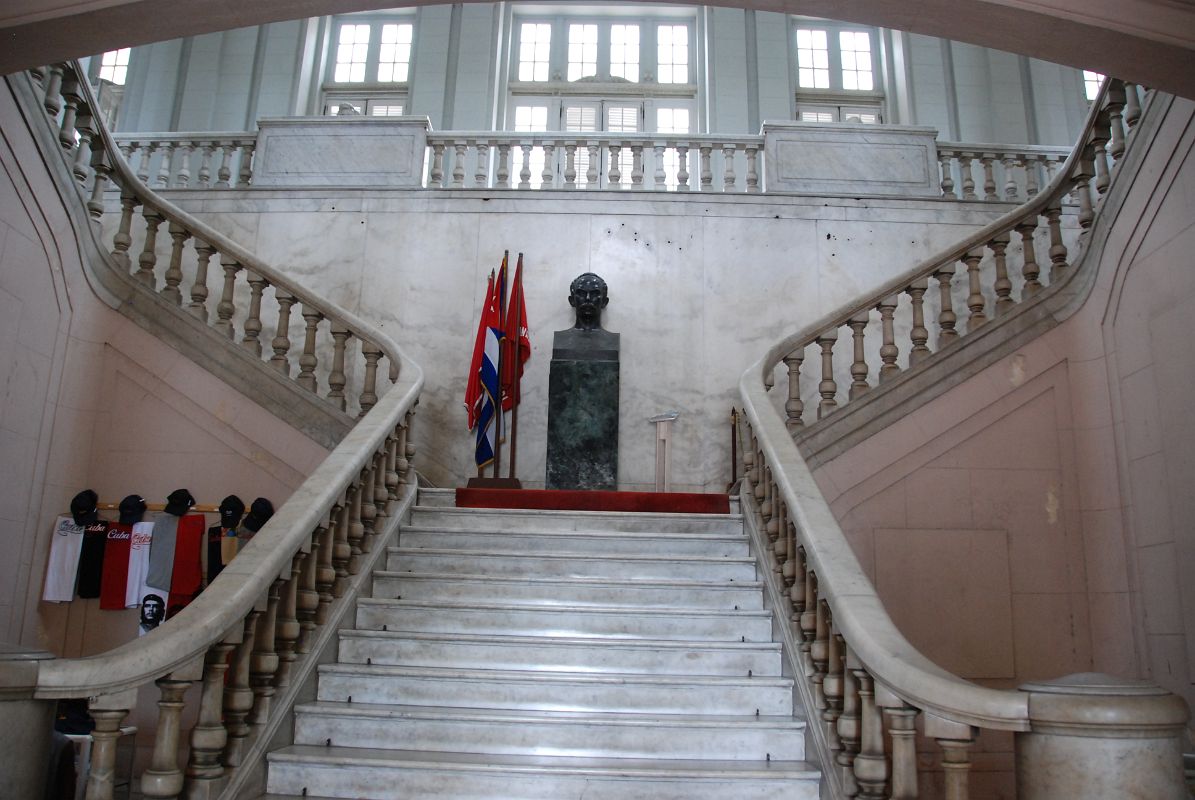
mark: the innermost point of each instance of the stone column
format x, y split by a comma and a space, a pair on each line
28, 723
1096, 736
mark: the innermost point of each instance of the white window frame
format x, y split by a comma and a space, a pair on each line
370, 93
835, 99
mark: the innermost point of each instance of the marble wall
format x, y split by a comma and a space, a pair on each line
699, 285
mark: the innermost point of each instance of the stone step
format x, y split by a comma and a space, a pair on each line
746, 595
554, 691
365, 774
726, 737
576, 621
610, 543
437, 498
561, 653
579, 565
524, 521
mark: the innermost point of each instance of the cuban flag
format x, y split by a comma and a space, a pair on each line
481, 393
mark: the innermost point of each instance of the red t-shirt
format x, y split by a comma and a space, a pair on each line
116, 566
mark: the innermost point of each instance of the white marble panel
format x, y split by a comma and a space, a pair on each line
340, 151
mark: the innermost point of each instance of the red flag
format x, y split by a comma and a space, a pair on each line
473, 387
516, 342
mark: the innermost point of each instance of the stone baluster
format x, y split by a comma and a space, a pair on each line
682, 169
1029, 270
356, 529
401, 464
108, 712
752, 169
252, 338
832, 686
1115, 106
707, 172
591, 171
245, 173
165, 165
458, 165
819, 658
848, 722
547, 177
1002, 285
123, 238
827, 388
336, 377
728, 175
404, 468
1100, 135
1058, 265
437, 170
956, 740
947, 163
203, 178
659, 177
263, 665
381, 494
1084, 172
286, 634
1010, 177
164, 779
759, 485
174, 272
525, 171
870, 766
859, 384
964, 165
101, 166
149, 257
342, 551
182, 178
799, 596
918, 334
888, 349
209, 736
1051, 168
614, 174
794, 407
780, 543
280, 344
391, 473
38, 74
791, 565
308, 360
1031, 185
503, 166
85, 127
975, 299
238, 694
1132, 105
226, 308
766, 508
369, 396
224, 173
946, 316
636, 165
146, 154
52, 100
570, 166
325, 573
203, 257
481, 176
902, 730
308, 592
989, 176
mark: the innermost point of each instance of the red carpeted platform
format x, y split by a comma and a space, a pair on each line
558, 500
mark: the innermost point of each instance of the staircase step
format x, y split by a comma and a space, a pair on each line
726, 737
574, 621
440, 498
560, 653
606, 543
554, 691
746, 595
364, 774
580, 565
525, 521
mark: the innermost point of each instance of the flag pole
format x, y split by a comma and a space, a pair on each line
516, 380
501, 415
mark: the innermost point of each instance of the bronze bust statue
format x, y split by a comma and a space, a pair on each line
588, 295
587, 340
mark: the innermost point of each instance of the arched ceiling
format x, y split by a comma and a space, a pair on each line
1148, 41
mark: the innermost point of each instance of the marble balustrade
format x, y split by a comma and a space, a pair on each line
872, 695
249, 641
996, 173
190, 160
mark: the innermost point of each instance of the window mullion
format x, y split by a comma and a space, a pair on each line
603, 63
834, 53
558, 52
648, 54
373, 57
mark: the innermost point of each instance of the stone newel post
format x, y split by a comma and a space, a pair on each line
27, 724
1096, 736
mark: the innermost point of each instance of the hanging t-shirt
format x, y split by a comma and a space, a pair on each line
161, 552
187, 575
114, 585
219, 553
135, 587
91, 559
63, 567
230, 544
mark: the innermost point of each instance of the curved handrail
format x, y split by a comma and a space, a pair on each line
858, 612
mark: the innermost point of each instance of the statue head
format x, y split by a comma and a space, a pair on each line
587, 294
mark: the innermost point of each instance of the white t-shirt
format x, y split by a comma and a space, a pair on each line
135, 587
65, 545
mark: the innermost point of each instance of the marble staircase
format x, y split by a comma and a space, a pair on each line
516, 654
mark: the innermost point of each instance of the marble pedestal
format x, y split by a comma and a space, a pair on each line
583, 411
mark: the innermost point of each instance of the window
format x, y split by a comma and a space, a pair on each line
836, 73
582, 51
1091, 83
672, 53
641, 50
381, 105
369, 64
535, 48
114, 66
